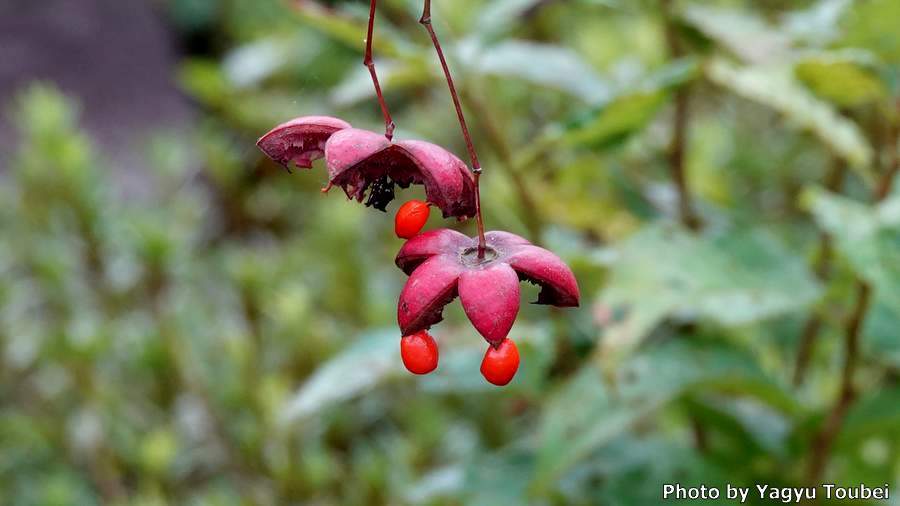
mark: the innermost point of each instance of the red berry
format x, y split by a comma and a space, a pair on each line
500, 363
410, 218
419, 352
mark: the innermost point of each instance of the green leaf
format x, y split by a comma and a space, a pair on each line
585, 413
628, 112
880, 337
205, 81
445, 481
248, 65
733, 279
872, 25
867, 235
845, 79
500, 16
617, 120
393, 75
540, 64
634, 469
361, 366
817, 24
875, 413
499, 478
742, 33
350, 31
776, 87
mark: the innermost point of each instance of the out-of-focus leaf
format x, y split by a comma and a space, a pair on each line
499, 16
351, 32
248, 65
633, 470
358, 368
743, 33
629, 111
881, 339
872, 25
500, 478
393, 75
775, 87
617, 120
760, 425
732, 279
868, 236
585, 413
874, 413
541, 64
604, 3
845, 79
440, 482
818, 24
204, 80
158, 450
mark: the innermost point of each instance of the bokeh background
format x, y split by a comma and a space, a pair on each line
183, 322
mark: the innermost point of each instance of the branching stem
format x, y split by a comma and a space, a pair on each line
425, 20
823, 441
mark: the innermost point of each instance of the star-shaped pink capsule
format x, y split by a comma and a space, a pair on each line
444, 263
366, 163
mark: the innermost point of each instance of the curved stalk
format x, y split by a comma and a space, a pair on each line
370, 64
425, 20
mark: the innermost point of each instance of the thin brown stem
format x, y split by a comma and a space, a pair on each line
893, 148
823, 441
822, 269
370, 64
676, 159
425, 20
811, 329
680, 121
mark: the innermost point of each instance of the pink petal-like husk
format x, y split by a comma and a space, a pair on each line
430, 287
444, 175
300, 140
504, 240
357, 157
490, 298
558, 285
427, 244
347, 150
352, 147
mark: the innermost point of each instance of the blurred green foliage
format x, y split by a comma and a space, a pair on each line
227, 336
